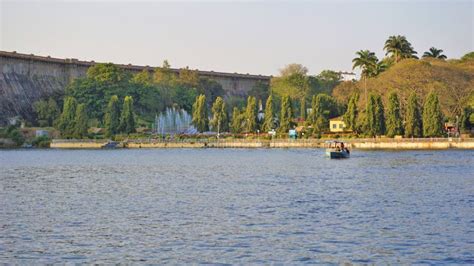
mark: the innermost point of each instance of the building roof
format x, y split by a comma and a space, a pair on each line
339, 118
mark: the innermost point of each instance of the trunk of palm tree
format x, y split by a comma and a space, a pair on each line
365, 88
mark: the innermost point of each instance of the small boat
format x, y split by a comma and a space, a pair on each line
337, 150
110, 145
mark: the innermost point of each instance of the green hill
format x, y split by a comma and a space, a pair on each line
452, 80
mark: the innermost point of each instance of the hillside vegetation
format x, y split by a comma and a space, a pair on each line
452, 80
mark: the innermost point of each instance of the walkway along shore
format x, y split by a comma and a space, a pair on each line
395, 144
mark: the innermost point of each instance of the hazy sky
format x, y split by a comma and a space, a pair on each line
245, 37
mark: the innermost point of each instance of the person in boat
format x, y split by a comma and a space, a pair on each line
344, 148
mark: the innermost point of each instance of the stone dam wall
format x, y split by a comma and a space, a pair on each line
26, 78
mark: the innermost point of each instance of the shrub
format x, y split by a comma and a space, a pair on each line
41, 142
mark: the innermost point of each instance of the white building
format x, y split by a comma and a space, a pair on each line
348, 76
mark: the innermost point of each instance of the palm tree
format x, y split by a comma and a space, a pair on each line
379, 67
398, 47
435, 53
367, 62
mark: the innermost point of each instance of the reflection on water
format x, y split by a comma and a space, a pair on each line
236, 206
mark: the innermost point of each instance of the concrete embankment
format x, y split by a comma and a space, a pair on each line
414, 145
77, 144
389, 144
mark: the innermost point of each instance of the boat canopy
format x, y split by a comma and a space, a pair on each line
333, 141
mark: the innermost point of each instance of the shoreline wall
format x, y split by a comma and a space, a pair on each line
425, 144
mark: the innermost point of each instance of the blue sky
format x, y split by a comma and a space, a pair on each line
243, 36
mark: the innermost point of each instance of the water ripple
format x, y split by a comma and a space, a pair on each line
236, 206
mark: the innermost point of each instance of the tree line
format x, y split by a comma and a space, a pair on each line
377, 120
417, 121
73, 121
247, 119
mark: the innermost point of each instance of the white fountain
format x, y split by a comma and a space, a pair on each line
174, 121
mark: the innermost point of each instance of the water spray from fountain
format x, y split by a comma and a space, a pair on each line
174, 121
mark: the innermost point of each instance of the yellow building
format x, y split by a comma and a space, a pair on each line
337, 124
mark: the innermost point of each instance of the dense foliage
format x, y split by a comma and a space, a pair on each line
453, 81
268, 120
394, 116
47, 112
432, 116
127, 118
413, 127
286, 114
152, 91
350, 117
67, 120
295, 82
200, 117
219, 121
251, 115
112, 117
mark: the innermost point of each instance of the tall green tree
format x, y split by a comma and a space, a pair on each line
188, 77
237, 121
286, 113
465, 122
432, 116
379, 116
251, 115
219, 115
107, 73
394, 117
303, 107
200, 117
350, 117
328, 80
164, 75
398, 47
47, 111
66, 121
42, 112
112, 117
268, 118
323, 107
127, 118
435, 53
413, 126
80, 121
143, 77
317, 118
371, 116
293, 82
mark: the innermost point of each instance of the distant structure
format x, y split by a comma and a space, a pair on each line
348, 76
25, 79
337, 124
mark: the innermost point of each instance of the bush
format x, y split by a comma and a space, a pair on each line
17, 137
41, 142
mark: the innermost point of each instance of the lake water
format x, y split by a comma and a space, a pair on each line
236, 206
